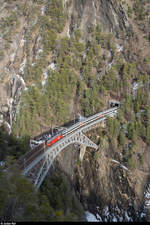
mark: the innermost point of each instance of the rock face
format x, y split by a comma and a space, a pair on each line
10, 93
15, 50
20, 46
102, 185
110, 14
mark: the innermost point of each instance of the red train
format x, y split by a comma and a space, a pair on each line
54, 140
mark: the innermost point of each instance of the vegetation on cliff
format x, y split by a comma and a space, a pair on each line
20, 202
66, 74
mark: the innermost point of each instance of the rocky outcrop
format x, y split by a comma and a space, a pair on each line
104, 186
17, 49
110, 14
10, 93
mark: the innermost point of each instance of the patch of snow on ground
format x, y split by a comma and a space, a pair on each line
120, 219
106, 211
146, 202
52, 66
98, 217
43, 9
22, 42
127, 217
2, 163
117, 209
68, 34
90, 217
114, 219
137, 85
12, 57
45, 78
22, 66
40, 50
22, 81
147, 197
39, 38
119, 47
143, 214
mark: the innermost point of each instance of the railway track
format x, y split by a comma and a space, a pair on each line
25, 161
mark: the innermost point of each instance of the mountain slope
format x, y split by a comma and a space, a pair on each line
59, 59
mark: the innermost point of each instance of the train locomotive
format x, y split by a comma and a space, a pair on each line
49, 143
30, 156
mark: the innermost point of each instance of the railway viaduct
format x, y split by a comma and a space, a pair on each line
36, 163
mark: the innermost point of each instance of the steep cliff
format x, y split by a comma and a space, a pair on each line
106, 187
62, 58
26, 55
110, 14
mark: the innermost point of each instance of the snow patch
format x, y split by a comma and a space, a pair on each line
39, 38
12, 57
147, 197
128, 218
99, 218
43, 9
68, 34
22, 42
2, 163
45, 78
137, 85
106, 211
119, 47
22, 81
117, 209
114, 219
52, 66
40, 50
90, 217
22, 66
109, 54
